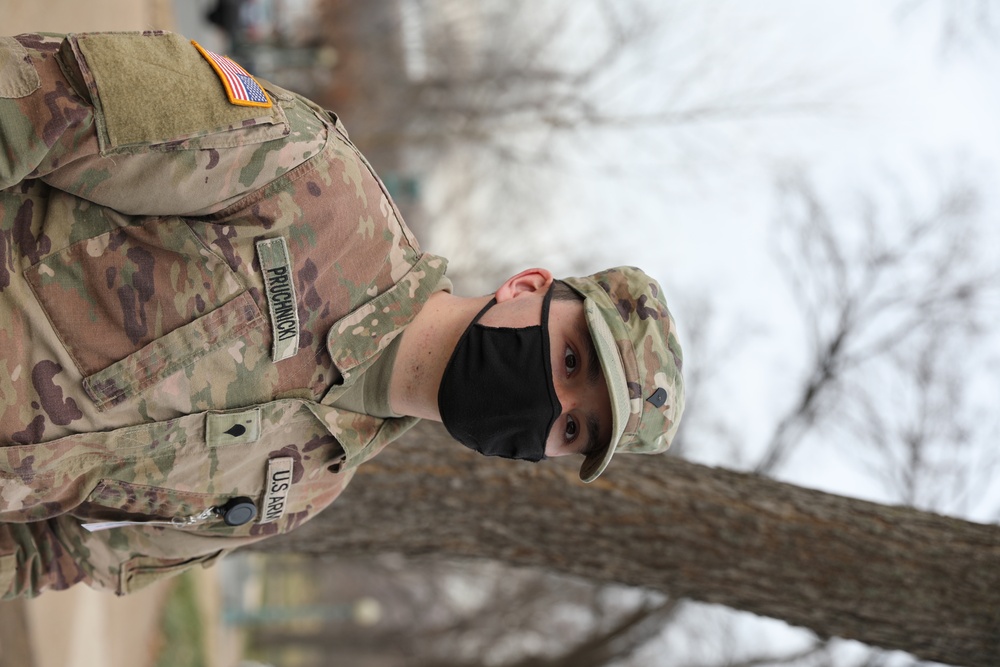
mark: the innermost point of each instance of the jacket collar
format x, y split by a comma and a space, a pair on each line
359, 337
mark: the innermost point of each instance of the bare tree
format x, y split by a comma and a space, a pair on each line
448, 612
889, 576
894, 301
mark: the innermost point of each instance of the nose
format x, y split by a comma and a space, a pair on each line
568, 399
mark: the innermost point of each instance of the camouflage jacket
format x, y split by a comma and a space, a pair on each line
187, 284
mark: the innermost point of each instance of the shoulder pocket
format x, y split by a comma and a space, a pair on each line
156, 90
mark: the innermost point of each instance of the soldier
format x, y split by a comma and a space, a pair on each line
212, 313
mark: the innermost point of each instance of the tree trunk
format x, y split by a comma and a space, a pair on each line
892, 577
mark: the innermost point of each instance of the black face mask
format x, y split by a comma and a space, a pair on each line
497, 396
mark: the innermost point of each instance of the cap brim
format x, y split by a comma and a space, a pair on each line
614, 374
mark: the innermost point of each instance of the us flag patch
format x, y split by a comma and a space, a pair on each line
240, 86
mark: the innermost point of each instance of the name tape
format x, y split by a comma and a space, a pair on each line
279, 286
279, 483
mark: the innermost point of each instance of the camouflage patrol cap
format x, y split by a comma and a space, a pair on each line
636, 342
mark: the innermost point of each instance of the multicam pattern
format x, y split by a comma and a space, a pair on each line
134, 321
636, 340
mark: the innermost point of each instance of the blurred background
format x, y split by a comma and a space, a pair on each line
813, 183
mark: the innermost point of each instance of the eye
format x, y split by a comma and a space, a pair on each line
572, 428
569, 360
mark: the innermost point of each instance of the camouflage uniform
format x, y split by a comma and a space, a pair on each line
140, 375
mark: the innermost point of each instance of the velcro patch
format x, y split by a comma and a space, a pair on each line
279, 284
232, 428
241, 88
279, 483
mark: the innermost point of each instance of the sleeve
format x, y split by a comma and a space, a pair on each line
58, 553
40, 124
143, 123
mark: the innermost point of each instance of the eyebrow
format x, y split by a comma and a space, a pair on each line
593, 363
593, 377
593, 431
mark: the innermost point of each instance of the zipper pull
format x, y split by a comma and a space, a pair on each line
236, 512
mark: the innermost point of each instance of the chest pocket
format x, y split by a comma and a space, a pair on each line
138, 303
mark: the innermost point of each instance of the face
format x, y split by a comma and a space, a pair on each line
585, 422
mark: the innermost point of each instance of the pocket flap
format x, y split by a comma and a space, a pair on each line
170, 353
18, 77
142, 571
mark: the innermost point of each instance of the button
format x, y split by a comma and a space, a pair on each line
238, 511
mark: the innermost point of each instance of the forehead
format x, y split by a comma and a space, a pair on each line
566, 317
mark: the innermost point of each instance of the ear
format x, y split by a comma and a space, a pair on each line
528, 281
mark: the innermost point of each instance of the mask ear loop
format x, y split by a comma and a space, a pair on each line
482, 312
465, 334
